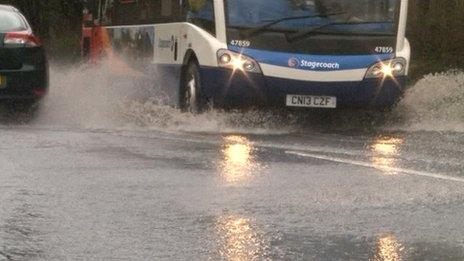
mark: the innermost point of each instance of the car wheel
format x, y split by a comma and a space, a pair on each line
192, 98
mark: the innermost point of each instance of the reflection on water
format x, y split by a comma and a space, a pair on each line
385, 152
238, 162
239, 239
388, 249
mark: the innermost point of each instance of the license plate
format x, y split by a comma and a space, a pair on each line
312, 101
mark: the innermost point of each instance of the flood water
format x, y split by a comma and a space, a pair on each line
99, 177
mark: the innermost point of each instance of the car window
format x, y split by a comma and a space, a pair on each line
10, 21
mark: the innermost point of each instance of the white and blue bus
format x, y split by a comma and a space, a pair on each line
293, 53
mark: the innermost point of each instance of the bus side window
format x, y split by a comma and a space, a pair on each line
201, 14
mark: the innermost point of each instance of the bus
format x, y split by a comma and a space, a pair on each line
228, 53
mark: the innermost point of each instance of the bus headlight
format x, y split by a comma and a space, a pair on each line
237, 61
387, 69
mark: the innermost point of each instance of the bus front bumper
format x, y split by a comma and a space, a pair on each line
237, 89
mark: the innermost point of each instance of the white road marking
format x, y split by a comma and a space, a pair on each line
200, 139
374, 166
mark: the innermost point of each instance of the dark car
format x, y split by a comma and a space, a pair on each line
23, 62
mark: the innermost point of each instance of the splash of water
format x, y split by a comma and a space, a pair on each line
151, 114
89, 97
79, 97
435, 103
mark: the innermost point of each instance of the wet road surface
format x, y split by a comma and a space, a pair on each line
98, 194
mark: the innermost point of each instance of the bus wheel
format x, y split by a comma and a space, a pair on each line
191, 96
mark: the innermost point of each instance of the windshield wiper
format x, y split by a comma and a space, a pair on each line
317, 29
257, 30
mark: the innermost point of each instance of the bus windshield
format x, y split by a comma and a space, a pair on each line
345, 16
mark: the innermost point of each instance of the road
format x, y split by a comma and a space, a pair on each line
95, 178
138, 194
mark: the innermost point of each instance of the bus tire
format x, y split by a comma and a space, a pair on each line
192, 98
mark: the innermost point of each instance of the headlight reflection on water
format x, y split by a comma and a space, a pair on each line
240, 240
238, 162
388, 248
385, 152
